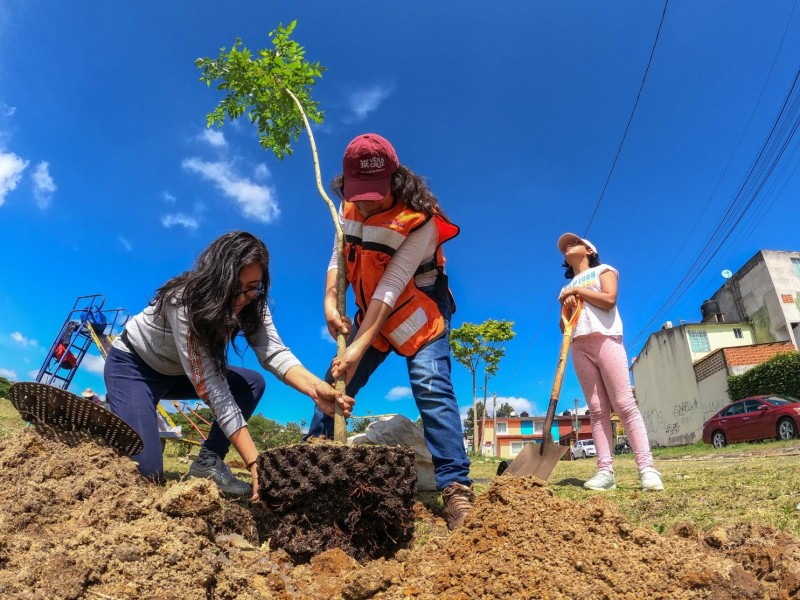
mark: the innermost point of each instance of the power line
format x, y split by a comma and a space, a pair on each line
608, 178
772, 150
730, 159
630, 119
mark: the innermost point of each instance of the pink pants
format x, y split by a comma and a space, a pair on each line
601, 365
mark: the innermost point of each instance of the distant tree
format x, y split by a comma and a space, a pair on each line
4, 385
360, 425
495, 334
473, 345
505, 410
268, 434
470, 422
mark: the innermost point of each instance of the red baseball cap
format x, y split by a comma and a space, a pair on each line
368, 165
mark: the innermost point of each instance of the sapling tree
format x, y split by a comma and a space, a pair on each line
273, 89
475, 344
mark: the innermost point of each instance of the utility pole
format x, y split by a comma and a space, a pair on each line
575, 421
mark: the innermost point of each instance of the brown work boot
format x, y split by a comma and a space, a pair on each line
457, 499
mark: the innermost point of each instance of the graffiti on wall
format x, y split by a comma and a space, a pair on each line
683, 424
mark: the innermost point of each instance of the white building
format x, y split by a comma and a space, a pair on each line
765, 292
681, 373
667, 389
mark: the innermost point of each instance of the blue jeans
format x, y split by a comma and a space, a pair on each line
134, 389
429, 375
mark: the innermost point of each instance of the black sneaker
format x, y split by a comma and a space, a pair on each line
211, 466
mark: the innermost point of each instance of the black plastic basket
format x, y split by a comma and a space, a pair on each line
48, 406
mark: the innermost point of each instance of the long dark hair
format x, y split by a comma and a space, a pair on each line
406, 186
209, 291
594, 261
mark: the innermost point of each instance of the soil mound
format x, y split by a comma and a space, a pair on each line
356, 498
521, 542
79, 522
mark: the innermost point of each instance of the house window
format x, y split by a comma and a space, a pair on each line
516, 448
737, 333
698, 341
502, 428
796, 265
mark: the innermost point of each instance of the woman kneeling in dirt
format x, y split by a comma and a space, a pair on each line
600, 361
177, 348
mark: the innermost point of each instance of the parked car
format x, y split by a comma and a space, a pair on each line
758, 418
582, 449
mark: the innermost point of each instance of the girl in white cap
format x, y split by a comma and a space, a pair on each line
600, 361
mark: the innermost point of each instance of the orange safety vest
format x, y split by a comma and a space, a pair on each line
369, 244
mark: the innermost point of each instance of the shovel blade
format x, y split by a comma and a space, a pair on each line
538, 460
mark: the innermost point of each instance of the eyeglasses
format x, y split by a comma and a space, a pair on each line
252, 294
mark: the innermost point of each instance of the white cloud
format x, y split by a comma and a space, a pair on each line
9, 110
33, 374
9, 374
255, 201
11, 168
325, 335
125, 243
43, 185
261, 171
23, 341
366, 100
167, 197
214, 138
399, 392
518, 404
94, 363
179, 219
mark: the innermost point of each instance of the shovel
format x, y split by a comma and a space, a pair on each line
539, 460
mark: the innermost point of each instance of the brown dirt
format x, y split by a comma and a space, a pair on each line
78, 522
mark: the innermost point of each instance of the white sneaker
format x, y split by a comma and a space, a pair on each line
604, 480
651, 479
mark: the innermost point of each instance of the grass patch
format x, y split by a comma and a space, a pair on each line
10, 421
742, 483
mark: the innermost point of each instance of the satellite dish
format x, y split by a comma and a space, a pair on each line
727, 273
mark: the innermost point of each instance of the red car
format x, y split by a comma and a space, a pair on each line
757, 418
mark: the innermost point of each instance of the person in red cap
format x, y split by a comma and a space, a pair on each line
394, 230
601, 363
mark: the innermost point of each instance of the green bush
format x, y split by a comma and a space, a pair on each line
4, 385
779, 375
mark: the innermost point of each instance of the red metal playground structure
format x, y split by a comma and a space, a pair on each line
89, 323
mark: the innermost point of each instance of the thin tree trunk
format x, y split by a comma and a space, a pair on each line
474, 415
339, 421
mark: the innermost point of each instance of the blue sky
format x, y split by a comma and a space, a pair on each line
110, 183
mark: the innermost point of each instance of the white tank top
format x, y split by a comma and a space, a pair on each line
594, 319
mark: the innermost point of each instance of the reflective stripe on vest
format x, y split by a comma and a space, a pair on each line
369, 245
403, 332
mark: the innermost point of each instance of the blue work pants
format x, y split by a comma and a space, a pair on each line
429, 375
134, 390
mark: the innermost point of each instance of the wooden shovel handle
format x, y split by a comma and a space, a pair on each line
568, 324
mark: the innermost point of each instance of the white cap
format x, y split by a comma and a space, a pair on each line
570, 238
